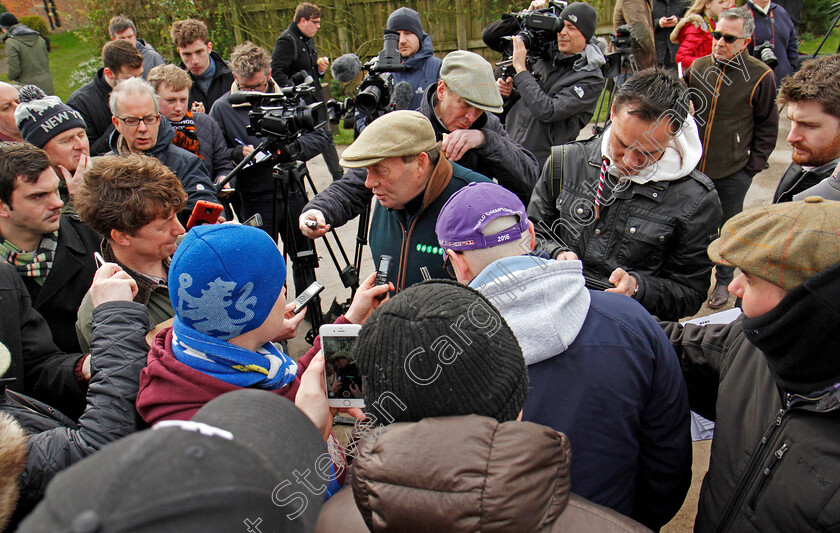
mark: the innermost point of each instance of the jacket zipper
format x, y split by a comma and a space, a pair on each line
767, 472
759, 457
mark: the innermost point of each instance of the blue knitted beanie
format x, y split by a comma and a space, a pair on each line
225, 278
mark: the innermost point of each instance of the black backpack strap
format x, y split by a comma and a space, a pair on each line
558, 161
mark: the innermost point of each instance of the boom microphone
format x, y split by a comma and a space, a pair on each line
345, 68
402, 96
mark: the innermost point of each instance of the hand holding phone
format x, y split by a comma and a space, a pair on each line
306, 296
204, 213
342, 378
368, 297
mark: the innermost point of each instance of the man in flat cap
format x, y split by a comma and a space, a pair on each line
771, 379
411, 179
460, 107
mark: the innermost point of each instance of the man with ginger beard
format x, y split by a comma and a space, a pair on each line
812, 97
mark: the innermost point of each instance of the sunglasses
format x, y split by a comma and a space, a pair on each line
728, 39
448, 267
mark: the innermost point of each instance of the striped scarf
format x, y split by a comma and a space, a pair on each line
602, 179
268, 368
185, 134
35, 264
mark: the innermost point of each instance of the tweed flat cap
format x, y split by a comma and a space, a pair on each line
396, 134
470, 76
784, 244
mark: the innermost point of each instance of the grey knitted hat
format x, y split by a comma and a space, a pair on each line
440, 349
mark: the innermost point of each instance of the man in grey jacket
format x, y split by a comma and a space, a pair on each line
121, 27
54, 442
553, 100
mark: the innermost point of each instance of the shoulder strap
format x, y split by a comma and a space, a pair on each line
558, 161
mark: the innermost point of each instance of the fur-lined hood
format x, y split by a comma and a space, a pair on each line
12, 461
695, 19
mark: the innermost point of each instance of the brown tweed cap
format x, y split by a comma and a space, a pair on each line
784, 244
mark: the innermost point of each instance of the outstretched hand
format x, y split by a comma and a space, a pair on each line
368, 297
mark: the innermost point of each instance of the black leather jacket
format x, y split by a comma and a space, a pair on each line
658, 231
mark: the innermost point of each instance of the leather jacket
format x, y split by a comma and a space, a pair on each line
657, 231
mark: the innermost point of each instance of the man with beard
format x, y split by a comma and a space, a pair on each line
812, 96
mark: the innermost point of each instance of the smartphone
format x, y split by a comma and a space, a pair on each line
344, 383
204, 213
255, 221
306, 296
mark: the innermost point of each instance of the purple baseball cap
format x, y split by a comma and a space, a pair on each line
461, 222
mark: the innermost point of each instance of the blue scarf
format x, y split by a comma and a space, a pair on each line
269, 368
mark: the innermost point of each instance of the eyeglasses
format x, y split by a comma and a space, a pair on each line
728, 39
258, 88
133, 122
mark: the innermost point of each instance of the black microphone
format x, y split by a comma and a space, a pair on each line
345, 68
402, 96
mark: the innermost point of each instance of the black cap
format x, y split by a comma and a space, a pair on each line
7, 20
234, 462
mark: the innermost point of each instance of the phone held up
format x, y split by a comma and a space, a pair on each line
204, 213
343, 378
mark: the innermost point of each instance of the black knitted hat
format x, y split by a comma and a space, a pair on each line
440, 349
7, 20
40, 117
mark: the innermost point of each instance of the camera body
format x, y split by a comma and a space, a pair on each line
767, 53
374, 96
283, 116
622, 39
538, 30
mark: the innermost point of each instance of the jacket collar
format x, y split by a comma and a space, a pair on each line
146, 285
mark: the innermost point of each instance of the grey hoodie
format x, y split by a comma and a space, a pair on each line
545, 302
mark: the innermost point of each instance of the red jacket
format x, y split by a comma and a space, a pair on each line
695, 42
171, 390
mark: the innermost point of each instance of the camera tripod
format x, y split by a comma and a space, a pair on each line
290, 177
835, 8
619, 66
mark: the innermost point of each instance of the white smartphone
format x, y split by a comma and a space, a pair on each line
344, 384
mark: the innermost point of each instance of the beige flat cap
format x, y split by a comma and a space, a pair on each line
470, 76
396, 134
